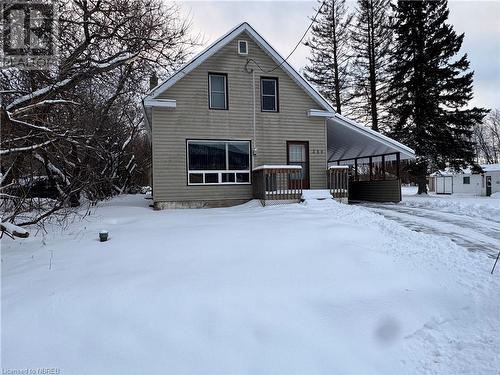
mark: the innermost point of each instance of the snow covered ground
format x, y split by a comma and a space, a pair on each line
469, 205
317, 287
471, 222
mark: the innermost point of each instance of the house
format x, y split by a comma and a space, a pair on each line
238, 122
465, 181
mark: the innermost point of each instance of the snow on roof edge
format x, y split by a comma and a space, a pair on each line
271, 166
449, 172
491, 167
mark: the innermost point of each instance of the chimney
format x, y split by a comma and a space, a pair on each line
153, 81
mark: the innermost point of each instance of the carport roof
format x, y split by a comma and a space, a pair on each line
348, 139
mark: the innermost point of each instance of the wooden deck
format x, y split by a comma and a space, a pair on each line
277, 184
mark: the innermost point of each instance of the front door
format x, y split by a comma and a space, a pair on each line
298, 154
488, 186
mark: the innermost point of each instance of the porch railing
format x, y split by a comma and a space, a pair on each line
277, 183
338, 182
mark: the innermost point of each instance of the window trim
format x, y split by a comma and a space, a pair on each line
226, 86
238, 47
220, 172
466, 178
276, 96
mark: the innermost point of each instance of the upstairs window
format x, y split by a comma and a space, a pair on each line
217, 91
466, 180
242, 47
218, 162
269, 94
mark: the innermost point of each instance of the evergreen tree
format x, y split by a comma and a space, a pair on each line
371, 42
431, 88
330, 57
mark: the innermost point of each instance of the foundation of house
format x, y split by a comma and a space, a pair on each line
163, 205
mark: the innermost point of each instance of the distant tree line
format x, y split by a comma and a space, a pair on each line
397, 67
74, 133
487, 138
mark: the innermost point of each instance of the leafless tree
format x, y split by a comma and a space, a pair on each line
70, 132
487, 137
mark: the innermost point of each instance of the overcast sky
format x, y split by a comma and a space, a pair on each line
282, 23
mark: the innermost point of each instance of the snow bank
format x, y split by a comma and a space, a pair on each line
317, 287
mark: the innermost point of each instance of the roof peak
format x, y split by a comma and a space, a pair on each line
224, 40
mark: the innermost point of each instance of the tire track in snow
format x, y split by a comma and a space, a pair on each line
446, 210
485, 226
478, 235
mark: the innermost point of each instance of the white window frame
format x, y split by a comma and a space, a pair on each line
246, 44
275, 80
218, 92
219, 172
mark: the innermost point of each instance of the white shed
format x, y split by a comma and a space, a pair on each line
466, 182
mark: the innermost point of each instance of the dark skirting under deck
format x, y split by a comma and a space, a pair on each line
375, 191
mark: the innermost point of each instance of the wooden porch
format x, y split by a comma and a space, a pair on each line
373, 178
277, 184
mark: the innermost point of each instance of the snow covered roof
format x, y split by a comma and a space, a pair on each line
441, 173
491, 167
220, 43
467, 170
348, 139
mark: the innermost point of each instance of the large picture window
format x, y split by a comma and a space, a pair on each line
217, 91
218, 162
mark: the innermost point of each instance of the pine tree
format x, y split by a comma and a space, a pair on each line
330, 57
431, 88
371, 42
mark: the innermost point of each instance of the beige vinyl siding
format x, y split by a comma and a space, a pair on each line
192, 119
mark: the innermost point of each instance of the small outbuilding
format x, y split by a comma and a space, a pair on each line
466, 181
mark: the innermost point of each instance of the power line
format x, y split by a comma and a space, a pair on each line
296, 46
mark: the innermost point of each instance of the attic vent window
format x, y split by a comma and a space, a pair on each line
242, 47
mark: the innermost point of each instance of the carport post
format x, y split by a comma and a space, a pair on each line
371, 167
355, 169
398, 159
383, 167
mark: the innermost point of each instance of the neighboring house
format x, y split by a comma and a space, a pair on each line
467, 182
238, 122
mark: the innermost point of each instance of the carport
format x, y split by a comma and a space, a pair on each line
373, 159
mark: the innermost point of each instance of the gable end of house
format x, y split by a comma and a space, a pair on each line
153, 97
